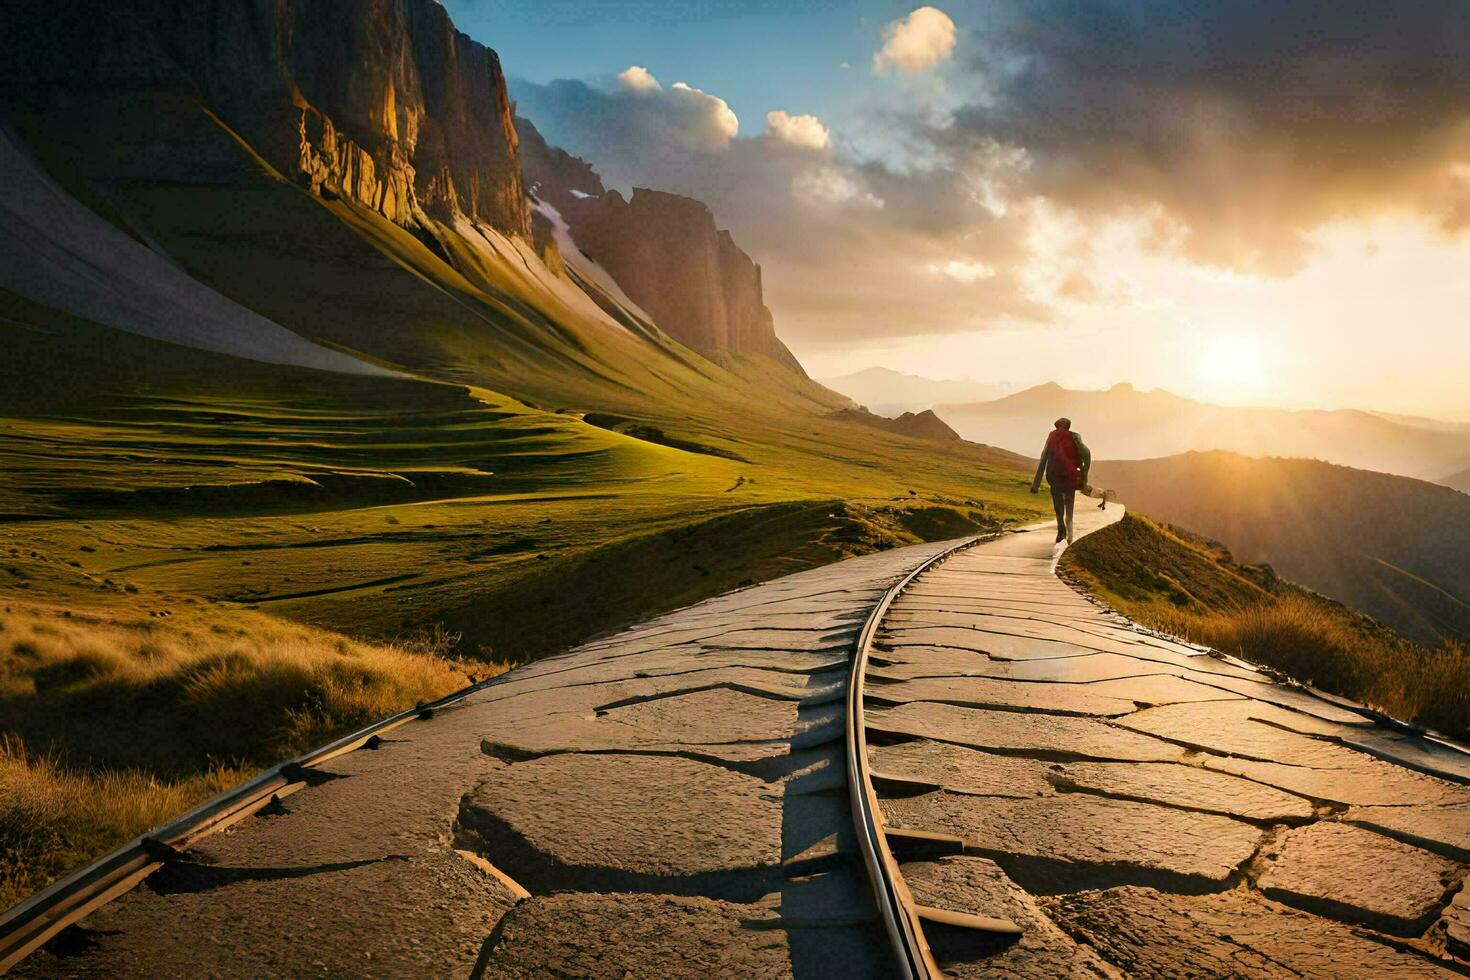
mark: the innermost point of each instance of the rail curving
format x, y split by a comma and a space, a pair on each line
902, 916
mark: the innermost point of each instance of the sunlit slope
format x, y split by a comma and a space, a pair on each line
465, 304
383, 506
1389, 545
1171, 579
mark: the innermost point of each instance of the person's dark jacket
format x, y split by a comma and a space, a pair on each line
1065, 459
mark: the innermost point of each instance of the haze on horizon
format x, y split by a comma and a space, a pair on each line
1244, 201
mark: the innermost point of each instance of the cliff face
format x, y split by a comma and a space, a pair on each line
379, 101
667, 254
663, 250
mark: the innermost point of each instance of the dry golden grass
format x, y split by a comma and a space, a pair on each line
1309, 639
1170, 580
114, 720
54, 819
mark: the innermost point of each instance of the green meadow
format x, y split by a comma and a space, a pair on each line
208, 564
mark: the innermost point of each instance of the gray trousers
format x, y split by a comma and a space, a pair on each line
1063, 500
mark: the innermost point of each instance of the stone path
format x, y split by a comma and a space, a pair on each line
1144, 808
672, 801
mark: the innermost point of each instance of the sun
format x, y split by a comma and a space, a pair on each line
1231, 366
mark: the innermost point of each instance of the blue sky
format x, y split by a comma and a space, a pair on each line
1248, 201
757, 56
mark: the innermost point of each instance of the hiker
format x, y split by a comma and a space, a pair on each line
1065, 459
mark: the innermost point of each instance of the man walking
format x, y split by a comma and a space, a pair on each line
1065, 459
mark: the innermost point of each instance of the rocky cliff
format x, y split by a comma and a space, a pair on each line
665, 252
379, 101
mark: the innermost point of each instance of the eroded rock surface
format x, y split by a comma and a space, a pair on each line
1356, 875
601, 819
1148, 933
1186, 787
978, 886
1039, 736
1071, 841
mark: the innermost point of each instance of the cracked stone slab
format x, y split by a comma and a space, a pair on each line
910, 662
623, 816
631, 935
978, 886
918, 660
1147, 933
1104, 636
1352, 874
918, 599
1456, 924
733, 725
1240, 728
963, 770
1153, 690
1073, 840
998, 646
1019, 732
796, 640
1303, 704
1187, 787
1411, 752
417, 916
773, 670
984, 692
1442, 829
1355, 780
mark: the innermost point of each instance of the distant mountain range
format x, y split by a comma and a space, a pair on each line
919, 425
1124, 422
1392, 547
887, 392
1460, 481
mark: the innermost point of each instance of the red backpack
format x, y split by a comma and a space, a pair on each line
1063, 462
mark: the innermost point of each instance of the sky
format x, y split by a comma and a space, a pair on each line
1245, 201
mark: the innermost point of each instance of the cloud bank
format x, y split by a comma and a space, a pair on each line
1223, 131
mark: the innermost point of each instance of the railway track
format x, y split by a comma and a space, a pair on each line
902, 916
1008, 747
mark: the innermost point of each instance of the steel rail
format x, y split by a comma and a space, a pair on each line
26, 926
896, 906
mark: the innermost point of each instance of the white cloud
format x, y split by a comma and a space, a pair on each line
828, 185
962, 271
639, 79
716, 108
803, 131
919, 41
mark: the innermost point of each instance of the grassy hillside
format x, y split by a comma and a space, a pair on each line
1172, 580
1388, 545
532, 467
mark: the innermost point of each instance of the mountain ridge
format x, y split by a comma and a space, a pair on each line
664, 250
1124, 422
